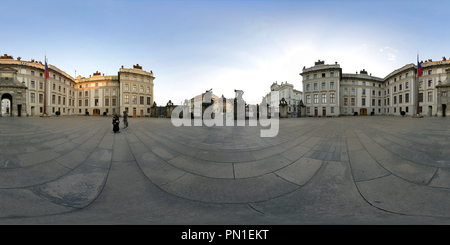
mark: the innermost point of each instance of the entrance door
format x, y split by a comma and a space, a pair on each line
7, 104
324, 111
430, 111
142, 113
96, 112
33, 111
134, 112
363, 112
316, 112
444, 108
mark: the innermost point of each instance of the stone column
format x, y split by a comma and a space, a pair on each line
169, 109
283, 108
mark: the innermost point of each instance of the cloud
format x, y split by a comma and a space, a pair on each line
390, 55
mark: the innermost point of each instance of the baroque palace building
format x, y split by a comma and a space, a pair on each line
329, 92
24, 85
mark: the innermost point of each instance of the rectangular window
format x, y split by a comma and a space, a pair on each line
332, 98
126, 87
324, 98
32, 97
400, 99
308, 99
420, 97
316, 98
53, 99
41, 98
148, 101
113, 102
134, 99
331, 85
86, 102
363, 102
106, 102
345, 90
315, 86
331, 74
80, 103
430, 96
126, 99
308, 87
345, 101
406, 98
353, 91
324, 86
141, 100
353, 101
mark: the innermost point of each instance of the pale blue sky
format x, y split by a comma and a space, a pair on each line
192, 46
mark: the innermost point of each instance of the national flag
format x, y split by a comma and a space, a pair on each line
47, 75
419, 68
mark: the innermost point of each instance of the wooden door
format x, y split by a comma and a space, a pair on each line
324, 112
363, 112
316, 112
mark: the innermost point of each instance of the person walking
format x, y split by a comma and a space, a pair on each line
125, 120
115, 123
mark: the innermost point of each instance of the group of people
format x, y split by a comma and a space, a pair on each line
116, 122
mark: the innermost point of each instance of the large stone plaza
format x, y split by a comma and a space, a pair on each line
342, 170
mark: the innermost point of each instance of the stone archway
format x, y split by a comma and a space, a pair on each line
8, 111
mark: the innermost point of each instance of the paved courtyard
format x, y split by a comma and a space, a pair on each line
346, 170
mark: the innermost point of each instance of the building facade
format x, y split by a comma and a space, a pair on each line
329, 92
29, 93
291, 96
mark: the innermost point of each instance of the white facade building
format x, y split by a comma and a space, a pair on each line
329, 92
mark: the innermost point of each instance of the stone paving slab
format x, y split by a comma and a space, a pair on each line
346, 170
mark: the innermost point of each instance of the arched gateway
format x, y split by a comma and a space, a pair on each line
13, 91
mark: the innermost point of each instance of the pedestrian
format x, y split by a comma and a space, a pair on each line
125, 120
115, 123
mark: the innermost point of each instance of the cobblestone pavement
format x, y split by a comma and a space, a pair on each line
346, 170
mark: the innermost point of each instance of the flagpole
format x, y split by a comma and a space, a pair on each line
417, 85
45, 85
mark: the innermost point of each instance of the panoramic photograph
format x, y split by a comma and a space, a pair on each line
217, 116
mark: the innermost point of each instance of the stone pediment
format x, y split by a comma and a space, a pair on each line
8, 77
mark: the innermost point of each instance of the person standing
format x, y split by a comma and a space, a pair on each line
115, 123
125, 120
